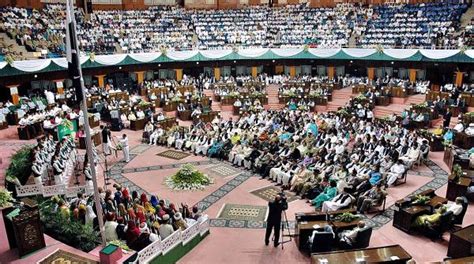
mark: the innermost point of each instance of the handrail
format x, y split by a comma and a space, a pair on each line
164, 246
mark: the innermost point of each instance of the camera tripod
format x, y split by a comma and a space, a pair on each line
284, 225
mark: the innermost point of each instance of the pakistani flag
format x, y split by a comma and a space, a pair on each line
67, 128
72, 51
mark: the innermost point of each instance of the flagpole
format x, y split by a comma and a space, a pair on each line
90, 155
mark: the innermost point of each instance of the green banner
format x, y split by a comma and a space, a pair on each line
67, 128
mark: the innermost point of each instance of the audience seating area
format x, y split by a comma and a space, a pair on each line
158, 28
424, 25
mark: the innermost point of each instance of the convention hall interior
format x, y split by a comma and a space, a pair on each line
236, 131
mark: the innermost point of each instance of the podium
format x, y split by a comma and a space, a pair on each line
24, 230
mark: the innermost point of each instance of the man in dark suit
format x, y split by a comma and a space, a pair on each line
105, 139
275, 209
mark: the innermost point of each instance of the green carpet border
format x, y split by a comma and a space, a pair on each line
178, 251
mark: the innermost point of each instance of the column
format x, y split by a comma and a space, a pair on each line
179, 74
101, 80
331, 72
140, 76
59, 86
412, 75
459, 78
217, 73
14, 94
292, 71
254, 72
279, 69
370, 73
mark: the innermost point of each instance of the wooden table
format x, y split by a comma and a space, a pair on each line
96, 138
466, 260
319, 216
382, 100
461, 243
436, 143
205, 117
167, 123
448, 157
341, 226
138, 124
405, 213
170, 106
463, 140
184, 115
24, 133
399, 92
370, 255
92, 122
457, 189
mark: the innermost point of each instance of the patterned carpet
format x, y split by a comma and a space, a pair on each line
223, 170
243, 212
173, 154
268, 193
63, 257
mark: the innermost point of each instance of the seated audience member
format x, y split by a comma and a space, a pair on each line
179, 223
455, 207
428, 220
371, 197
328, 194
396, 172
326, 229
166, 229
341, 201
349, 236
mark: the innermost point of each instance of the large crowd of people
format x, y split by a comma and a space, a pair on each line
332, 159
424, 25
135, 218
158, 28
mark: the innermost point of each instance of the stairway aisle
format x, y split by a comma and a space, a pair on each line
415, 99
215, 106
273, 102
339, 98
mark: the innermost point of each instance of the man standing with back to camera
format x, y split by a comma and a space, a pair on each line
276, 207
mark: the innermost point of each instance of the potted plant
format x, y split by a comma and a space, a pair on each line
5, 198
347, 217
19, 169
421, 199
457, 173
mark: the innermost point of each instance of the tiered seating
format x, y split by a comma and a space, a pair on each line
138, 31
221, 28
424, 25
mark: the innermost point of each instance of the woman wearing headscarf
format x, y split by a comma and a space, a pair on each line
143, 199
132, 233
121, 210
141, 215
126, 199
131, 214
149, 209
154, 201
134, 195
159, 211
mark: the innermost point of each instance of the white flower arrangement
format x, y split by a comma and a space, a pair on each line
188, 178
